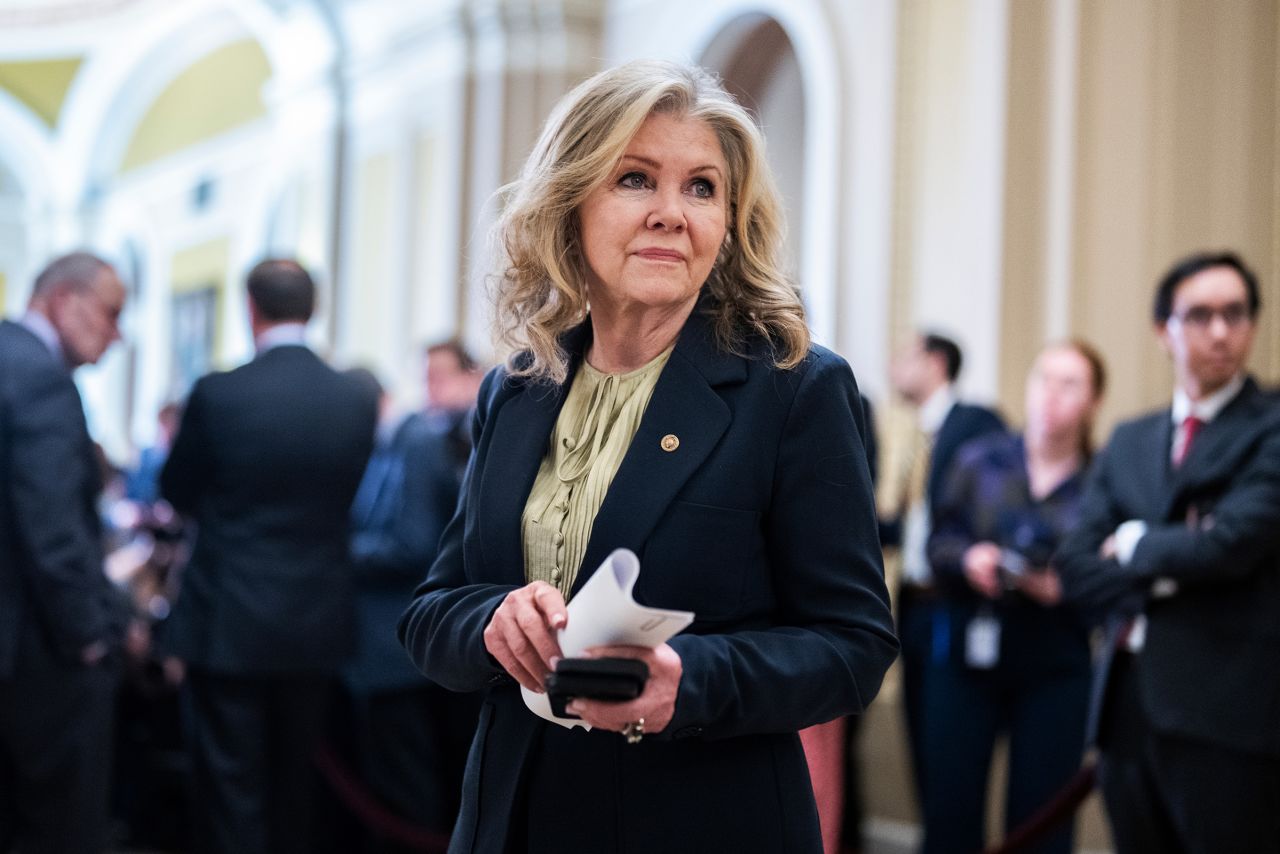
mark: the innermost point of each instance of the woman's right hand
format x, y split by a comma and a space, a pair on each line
522, 633
982, 569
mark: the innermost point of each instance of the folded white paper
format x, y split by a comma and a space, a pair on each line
603, 613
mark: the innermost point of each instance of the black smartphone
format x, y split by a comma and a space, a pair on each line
615, 679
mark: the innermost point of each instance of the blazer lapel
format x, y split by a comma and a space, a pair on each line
1216, 451
1154, 470
685, 406
521, 431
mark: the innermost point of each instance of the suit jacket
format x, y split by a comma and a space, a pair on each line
964, 422
761, 522
1210, 668
408, 494
267, 460
54, 598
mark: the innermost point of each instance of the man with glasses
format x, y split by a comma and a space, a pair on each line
60, 620
1179, 545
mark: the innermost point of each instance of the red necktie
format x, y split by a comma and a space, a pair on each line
1190, 427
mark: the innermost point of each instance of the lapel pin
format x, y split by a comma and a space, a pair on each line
670, 442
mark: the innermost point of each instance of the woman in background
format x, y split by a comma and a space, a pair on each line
1012, 658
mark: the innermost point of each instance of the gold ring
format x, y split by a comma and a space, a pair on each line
634, 731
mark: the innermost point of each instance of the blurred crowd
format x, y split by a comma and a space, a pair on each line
235, 675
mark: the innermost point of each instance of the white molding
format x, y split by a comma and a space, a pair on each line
959, 196
112, 121
1064, 34
868, 51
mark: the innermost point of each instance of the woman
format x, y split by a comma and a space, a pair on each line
1007, 656
665, 398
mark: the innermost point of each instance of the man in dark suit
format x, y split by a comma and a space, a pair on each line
59, 617
924, 375
266, 461
1179, 543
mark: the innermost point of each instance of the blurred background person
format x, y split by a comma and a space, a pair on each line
143, 482
452, 380
266, 462
919, 454
1179, 545
407, 736
687, 417
61, 622
1016, 659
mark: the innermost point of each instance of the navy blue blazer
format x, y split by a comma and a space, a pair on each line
1210, 669
408, 494
54, 598
964, 422
761, 522
267, 461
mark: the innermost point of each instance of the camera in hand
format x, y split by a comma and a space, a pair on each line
1031, 550
615, 679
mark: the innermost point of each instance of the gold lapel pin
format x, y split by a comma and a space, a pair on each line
670, 442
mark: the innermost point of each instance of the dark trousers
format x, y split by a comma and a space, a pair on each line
251, 741
915, 633
55, 759
1044, 715
1181, 796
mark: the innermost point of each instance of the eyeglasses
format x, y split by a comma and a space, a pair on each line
1200, 317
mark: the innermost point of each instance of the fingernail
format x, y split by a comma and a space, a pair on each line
553, 661
557, 622
574, 707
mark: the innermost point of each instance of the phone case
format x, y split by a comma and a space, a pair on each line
613, 679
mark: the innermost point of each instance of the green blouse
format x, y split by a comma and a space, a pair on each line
591, 436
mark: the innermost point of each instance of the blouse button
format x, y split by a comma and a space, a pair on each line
559, 538
555, 575
569, 443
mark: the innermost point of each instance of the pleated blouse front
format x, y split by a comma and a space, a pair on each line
592, 433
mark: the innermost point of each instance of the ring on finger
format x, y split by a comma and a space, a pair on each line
634, 731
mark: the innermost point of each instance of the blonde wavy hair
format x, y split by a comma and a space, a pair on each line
541, 291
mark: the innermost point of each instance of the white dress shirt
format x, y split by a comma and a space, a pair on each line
915, 526
280, 335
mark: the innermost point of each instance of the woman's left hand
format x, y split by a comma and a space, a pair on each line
656, 704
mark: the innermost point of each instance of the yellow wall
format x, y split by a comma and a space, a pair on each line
41, 84
221, 91
1176, 148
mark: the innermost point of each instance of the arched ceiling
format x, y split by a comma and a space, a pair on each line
217, 93
41, 84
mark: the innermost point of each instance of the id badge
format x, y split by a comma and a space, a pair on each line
982, 642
